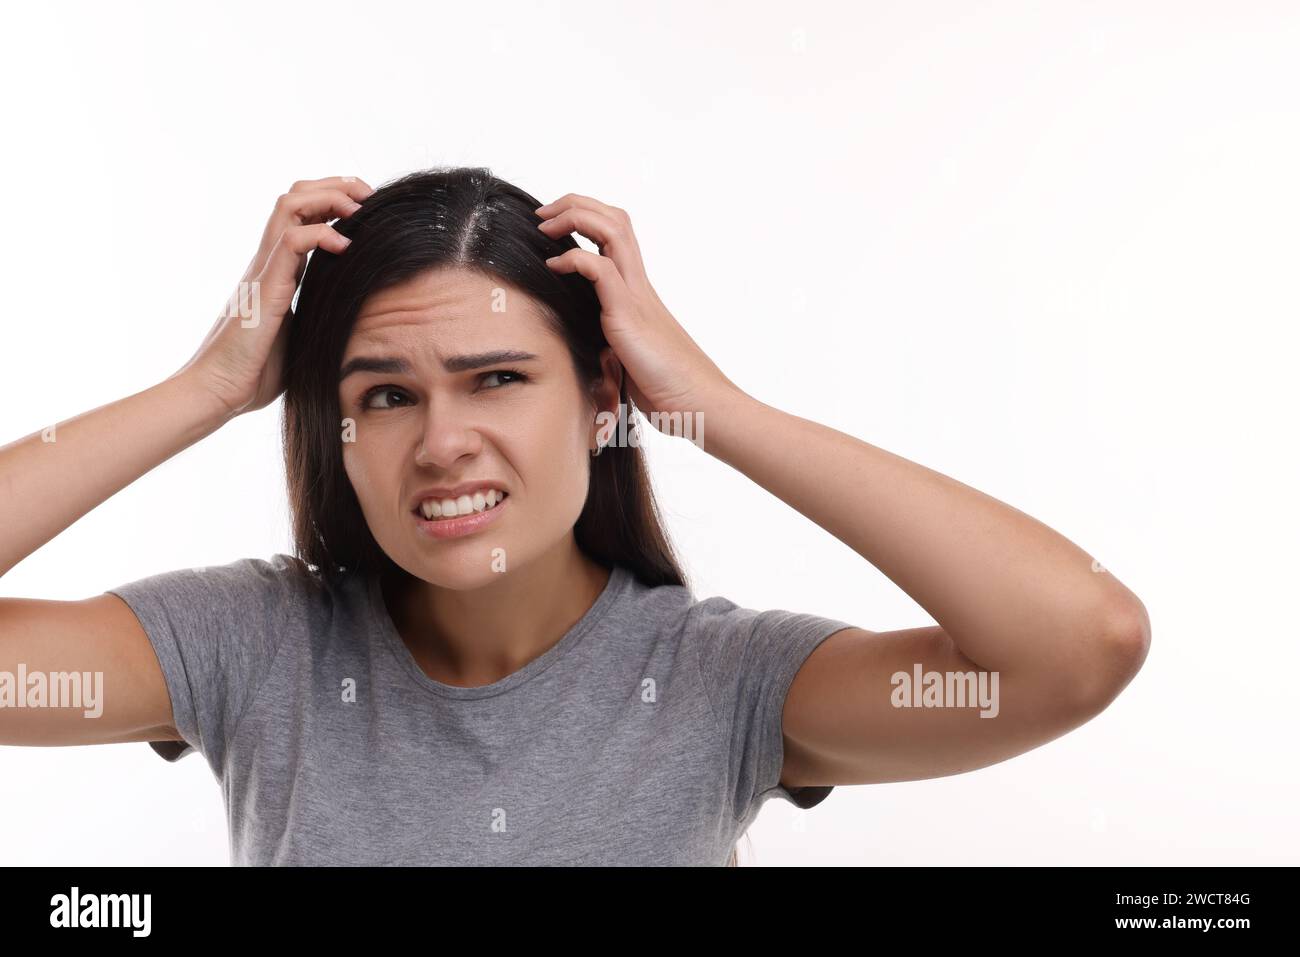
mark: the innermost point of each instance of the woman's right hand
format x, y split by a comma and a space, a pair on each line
241, 360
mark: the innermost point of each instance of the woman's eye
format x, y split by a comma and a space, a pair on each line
515, 376
386, 391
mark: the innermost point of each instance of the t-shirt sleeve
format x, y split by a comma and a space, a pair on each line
215, 630
748, 660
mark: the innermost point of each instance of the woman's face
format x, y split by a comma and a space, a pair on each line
442, 412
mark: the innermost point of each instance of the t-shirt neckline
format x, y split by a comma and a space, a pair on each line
390, 637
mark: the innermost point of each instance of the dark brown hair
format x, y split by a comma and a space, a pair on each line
430, 219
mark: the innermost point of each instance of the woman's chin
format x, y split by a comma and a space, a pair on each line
463, 566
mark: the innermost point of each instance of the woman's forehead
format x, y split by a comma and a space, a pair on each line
445, 296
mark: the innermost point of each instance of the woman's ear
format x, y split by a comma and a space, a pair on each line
606, 395
606, 391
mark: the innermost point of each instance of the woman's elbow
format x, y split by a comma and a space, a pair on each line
1122, 649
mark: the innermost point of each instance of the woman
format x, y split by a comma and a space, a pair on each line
483, 649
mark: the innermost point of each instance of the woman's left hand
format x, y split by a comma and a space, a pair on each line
666, 370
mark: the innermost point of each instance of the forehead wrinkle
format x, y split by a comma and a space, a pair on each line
375, 325
407, 317
403, 316
449, 294
428, 313
416, 335
426, 303
408, 339
430, 290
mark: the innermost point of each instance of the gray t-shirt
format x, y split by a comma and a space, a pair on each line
650, 734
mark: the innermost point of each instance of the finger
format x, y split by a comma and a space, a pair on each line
296, 209
287, 259
316, 206
615, 239
355, 187
587, 202
579, 201
613, 293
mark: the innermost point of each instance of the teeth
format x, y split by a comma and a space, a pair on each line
464, 505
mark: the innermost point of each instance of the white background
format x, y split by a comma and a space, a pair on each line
1048, 249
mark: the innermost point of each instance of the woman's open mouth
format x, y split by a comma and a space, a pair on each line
452, 518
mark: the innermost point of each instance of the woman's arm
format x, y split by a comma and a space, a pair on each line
1036, 634
1026, 618
50, 479
54, 477
1011, 592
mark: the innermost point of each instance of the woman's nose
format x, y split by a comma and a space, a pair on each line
445, 439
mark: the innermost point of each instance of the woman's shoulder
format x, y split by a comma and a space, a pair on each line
651, 592
279, 571
677, 607
235, 586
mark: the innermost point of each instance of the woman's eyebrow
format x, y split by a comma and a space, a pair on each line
397, 365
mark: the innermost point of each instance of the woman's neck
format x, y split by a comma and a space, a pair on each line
471, 638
